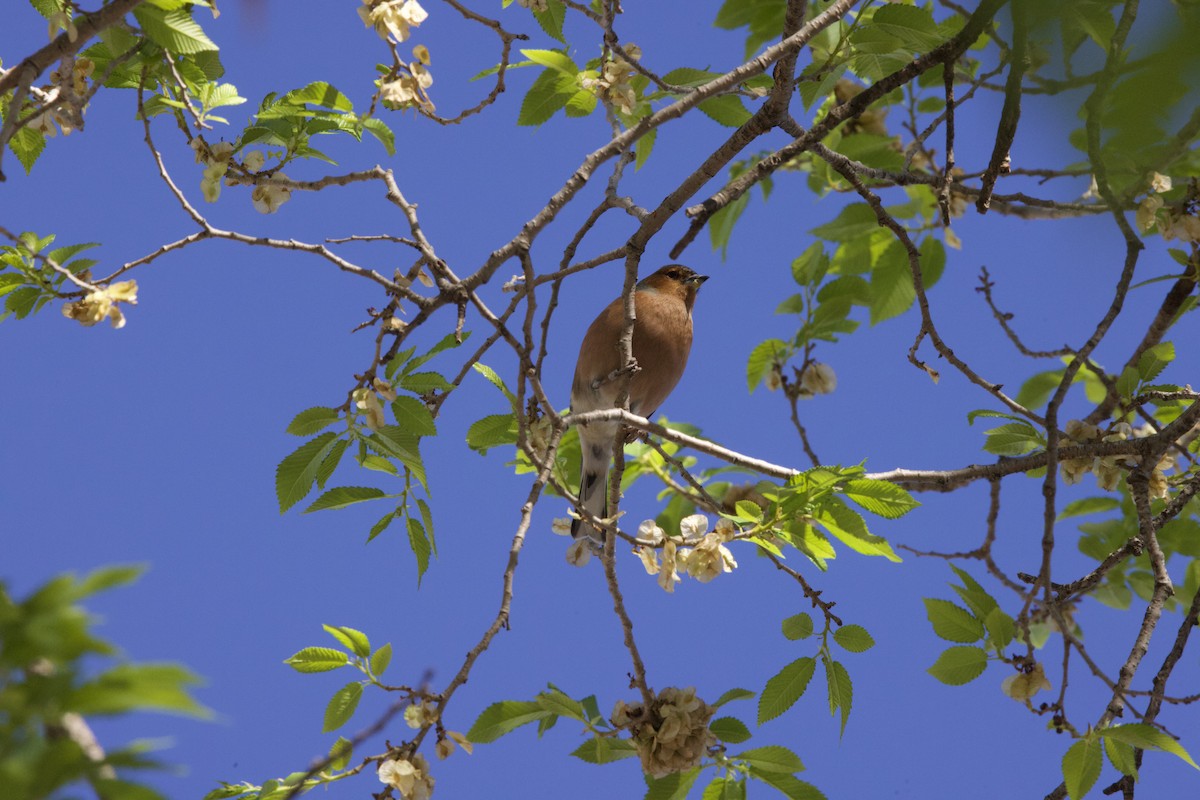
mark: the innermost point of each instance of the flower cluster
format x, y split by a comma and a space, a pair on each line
706, 558
1173, 222
409, 776
69, 79
1026, 683
408, 90
534, 5
367, 401
394, 18
612, 84
672, 735
101, 304
817, 378
1107, 469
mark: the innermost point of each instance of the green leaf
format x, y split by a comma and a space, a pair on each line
553, 59
792, 787
798, 626
852, 222
671, 787
311, 420
424, 382
1001, 628
784, 689
318, 659
27, 144
762, 359
892, 291
340, 754
549, 92
341, 706
561, 704
732, 695
492, 431
959, 665
1089, 505
604, 750
720, 224
174, 30
850, 529
342, 496
504, 717
552, 19
726, 109
1122, 756
295, 475
840, 689
953, 623
1154, 360
354, 640
975, 596
495, 380
1013, 439
772, 758
729, 729
854, 638
414, 416
129, 687
420, 545
380, 130
380, 659
880, 497
1147, 737
1081, 767
380, 526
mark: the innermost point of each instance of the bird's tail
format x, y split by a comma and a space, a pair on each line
593, 487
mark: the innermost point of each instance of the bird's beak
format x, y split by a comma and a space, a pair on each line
696, 280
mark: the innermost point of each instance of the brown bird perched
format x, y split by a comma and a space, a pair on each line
662, 339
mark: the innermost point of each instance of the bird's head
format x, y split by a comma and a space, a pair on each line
675, 279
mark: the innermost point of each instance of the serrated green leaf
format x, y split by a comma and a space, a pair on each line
674, 786
1088, 505
413, 416
1001, 628
503, 717
959, 665
1081, 767
732, 695
892, 291
552, 18
729, 729
380, 659
424, 382
340, 754
772, 758
762, 360
840, 689
798, 626
604, 750
549, 93
852, 222
792, 787
854, 638
130, 687
295, 475
492, 431
341, 706
1121, 756
420, 545
880, 497
1152, 362
784, 689
380, 526
1013, 439
727, 109
343, 496
318, 659
1147, 737
951, 622
380, 130
849, 528
354, 640
553, 59
559, 703
174, 30
311, 420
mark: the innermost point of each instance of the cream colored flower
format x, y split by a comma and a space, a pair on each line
410, 777
395, 324
817, 378
443, 748
367, 402
693, 527
649, 557
1082, 431
672, 735
1025, 685
100, 305
268, 197
210, 184
254, 160
1160, 183
667, 576
462, 741
612, 84
421, 53
561, 526
43, 123
952, 239
63, 20
533, 5
1093, 191
418, 715
408, 89
392, 17
774, 379
650, 533
1147, 212
709, 558
580, 552
385, 389
1183, 227
726, 529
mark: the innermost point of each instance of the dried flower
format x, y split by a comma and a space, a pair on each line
1025, 684
408, 776
672, 735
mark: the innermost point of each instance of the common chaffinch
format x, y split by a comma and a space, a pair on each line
662, 339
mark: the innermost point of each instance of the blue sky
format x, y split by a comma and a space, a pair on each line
157, 443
